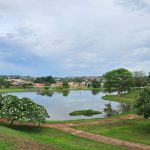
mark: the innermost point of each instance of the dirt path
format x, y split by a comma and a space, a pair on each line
103, 139
66, 127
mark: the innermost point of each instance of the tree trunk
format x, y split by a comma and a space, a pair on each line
11, 123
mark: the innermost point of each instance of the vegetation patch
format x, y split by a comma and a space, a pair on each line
136, 130
130, 97
88, 112
42, 138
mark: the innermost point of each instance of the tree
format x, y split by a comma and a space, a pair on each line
46, 88
142, 105
109, 112
10, 108
4, 83
96, 84
65, 84
139, 78
118, 80
13, 109
45, 80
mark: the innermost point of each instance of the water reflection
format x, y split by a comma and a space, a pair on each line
65, 92
59, 104
122, 108
46, 93
95, 92
51, 93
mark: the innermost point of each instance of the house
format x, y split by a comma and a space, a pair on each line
39, 85
83, 85
73, 85
19, 82
57, 84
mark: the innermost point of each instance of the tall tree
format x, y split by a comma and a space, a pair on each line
65, 84
45, 80
96, 84
118, 80
142, 105
139, 78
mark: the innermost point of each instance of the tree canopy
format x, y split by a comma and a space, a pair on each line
13, 108
142, 105
96, 84
118, 80
139, 79
45, 80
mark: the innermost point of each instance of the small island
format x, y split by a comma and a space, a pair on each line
88, 112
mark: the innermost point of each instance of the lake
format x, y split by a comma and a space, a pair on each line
59, 104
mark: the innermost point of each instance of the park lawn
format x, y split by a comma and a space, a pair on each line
35, 89
47, 137
10, 90
126, 98
4, 145
137, 130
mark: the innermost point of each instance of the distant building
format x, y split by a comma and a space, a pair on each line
57, 84
19, 82
73, 85
83, 85
39, 85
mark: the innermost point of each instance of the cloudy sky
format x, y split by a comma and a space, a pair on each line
73, 37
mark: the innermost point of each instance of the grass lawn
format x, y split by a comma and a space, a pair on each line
34, 89
126, 98
19, 137
9, 90
137, 130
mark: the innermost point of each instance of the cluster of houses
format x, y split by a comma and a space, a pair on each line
20, 82
57, 84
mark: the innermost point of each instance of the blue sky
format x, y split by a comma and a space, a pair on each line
73, 37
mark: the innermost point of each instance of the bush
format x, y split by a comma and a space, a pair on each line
142, 105
88, 112
13, 109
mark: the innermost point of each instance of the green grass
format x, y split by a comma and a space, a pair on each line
126, 98
4, 145
88, 112
55, 139
10, 90
2, 90
137, 130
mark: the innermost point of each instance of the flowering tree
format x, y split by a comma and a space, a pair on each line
13, 108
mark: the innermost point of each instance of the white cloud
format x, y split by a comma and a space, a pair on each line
74, 36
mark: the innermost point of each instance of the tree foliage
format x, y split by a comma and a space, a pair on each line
13, 108
142, 105
96, 84
4, 83
118, 80
139, 79
45, 80
65, 84
109, 112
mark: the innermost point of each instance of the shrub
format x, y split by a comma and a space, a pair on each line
13, 109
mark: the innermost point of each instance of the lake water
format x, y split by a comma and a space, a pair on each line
59, 105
